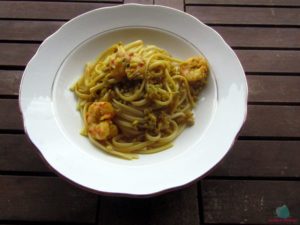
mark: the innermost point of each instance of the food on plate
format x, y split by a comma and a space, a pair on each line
136, 98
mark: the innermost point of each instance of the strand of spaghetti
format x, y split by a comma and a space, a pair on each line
133, 44
120, 144
170, 80
166, 57
133, 147
129, 117
97, 87
95, 79
82, 95
152, 138
127, 108
156, 149
111, 151
141, 102
132, 97
178, 114
123, 123
187, 87
173, 134
126, 127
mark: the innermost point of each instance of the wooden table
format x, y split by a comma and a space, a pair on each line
260, 174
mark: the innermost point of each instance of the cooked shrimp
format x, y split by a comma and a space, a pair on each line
103, 130
118, 63
194, 69
135, 68
99, 111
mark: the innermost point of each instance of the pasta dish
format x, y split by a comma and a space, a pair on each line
136, 98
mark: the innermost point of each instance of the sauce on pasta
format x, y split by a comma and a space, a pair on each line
136, 98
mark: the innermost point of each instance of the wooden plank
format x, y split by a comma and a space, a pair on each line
45, 199
278, 61
112, 1
270, 61
10, 115
249, 202
46, 10
10, 82
178, 207
246, 15
261, 159
17, 153
260, 37
27, 30
177, 4
274, 88
16, 54
272, 121
147, 2
246, 2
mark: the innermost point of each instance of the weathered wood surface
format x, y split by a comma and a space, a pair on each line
261, 159
19, 30
17, 153
249, 202
45, 199
179, 207
245, 2
260, 37
46, 10
233, 15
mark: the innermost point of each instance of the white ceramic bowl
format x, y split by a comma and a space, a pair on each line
53, 124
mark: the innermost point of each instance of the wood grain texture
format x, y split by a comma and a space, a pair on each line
18, 30
248, 202
271, 61
10, 82
12, 54
91, 1
246, 2
246, 15
261, 159
260, 37
10, 115
46, 10
272, 121
45, 199
17, 153
274, 88
177, 4
147, 2
178, 207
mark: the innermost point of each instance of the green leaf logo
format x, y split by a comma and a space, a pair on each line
283, 212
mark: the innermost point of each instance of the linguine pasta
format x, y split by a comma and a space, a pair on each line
136, 98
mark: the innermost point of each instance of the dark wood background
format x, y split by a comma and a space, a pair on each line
261, 172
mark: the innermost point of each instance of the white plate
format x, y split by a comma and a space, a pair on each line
53, 124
